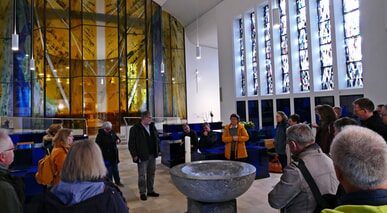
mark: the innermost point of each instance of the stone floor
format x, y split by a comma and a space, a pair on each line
172, 201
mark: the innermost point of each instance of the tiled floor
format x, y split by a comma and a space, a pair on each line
172, 201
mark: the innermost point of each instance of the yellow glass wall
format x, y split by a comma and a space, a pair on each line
97, 59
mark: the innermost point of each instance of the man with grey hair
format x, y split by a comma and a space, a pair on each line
292, 193
360, 160
107, 140
11, 187
144, 146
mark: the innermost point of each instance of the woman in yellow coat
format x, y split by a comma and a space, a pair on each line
235, 136
61, 142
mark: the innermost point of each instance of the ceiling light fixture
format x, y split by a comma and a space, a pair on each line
32, 61
198, 48
15, 36
276, 14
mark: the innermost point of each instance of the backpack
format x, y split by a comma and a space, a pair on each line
44, 175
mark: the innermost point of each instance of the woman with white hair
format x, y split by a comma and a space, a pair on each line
82, 188
360, 159
107, 140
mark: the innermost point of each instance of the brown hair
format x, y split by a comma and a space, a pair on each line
53, 129
62, 137
327, 115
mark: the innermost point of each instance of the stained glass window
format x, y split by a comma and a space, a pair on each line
303, 46
352, 39
254, 53
242, 60
324, 23
269, 72
284, 48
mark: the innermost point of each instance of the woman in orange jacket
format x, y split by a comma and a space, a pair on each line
235, 136
62, 142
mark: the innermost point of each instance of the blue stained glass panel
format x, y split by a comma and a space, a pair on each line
327, 78
301, 18
283, 25
242, 61
352, 39
282, 7
269, 74
305, 79
304, 60
325, 32
284, 47
326, 55
350, 5
352, 24
355, 74
300, 3
323, 10
285, 63
303, 45
254, 53
303, 39
353, 49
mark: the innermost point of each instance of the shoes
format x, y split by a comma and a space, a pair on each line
153, 194
143, 197
120, 184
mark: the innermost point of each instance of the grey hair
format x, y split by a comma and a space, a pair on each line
301, 134
360, 155
145, 114
107, 125
84, 162
4, 140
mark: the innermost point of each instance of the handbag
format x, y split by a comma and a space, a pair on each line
275, 166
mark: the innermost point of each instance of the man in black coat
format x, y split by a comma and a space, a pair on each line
144, 146
364, 109
107, 140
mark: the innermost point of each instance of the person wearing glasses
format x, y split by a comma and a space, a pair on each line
144, 147
364, 109
11, 187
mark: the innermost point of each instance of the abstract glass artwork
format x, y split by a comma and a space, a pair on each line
284, 48
269, 72
324, 24
254, 53
242, 61
352, 38
303, 46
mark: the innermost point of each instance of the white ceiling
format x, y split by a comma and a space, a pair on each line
186, 11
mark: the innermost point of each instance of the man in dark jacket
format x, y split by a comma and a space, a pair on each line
107, 140
364, 109
209, 138
144, 146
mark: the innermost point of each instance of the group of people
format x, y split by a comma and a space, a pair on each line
342, 155
79, 183
344, 159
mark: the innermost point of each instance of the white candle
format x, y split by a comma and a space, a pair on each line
187, 144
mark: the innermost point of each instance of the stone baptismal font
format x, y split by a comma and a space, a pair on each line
213, 185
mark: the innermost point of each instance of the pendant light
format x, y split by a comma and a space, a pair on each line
15, 36
32, 61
